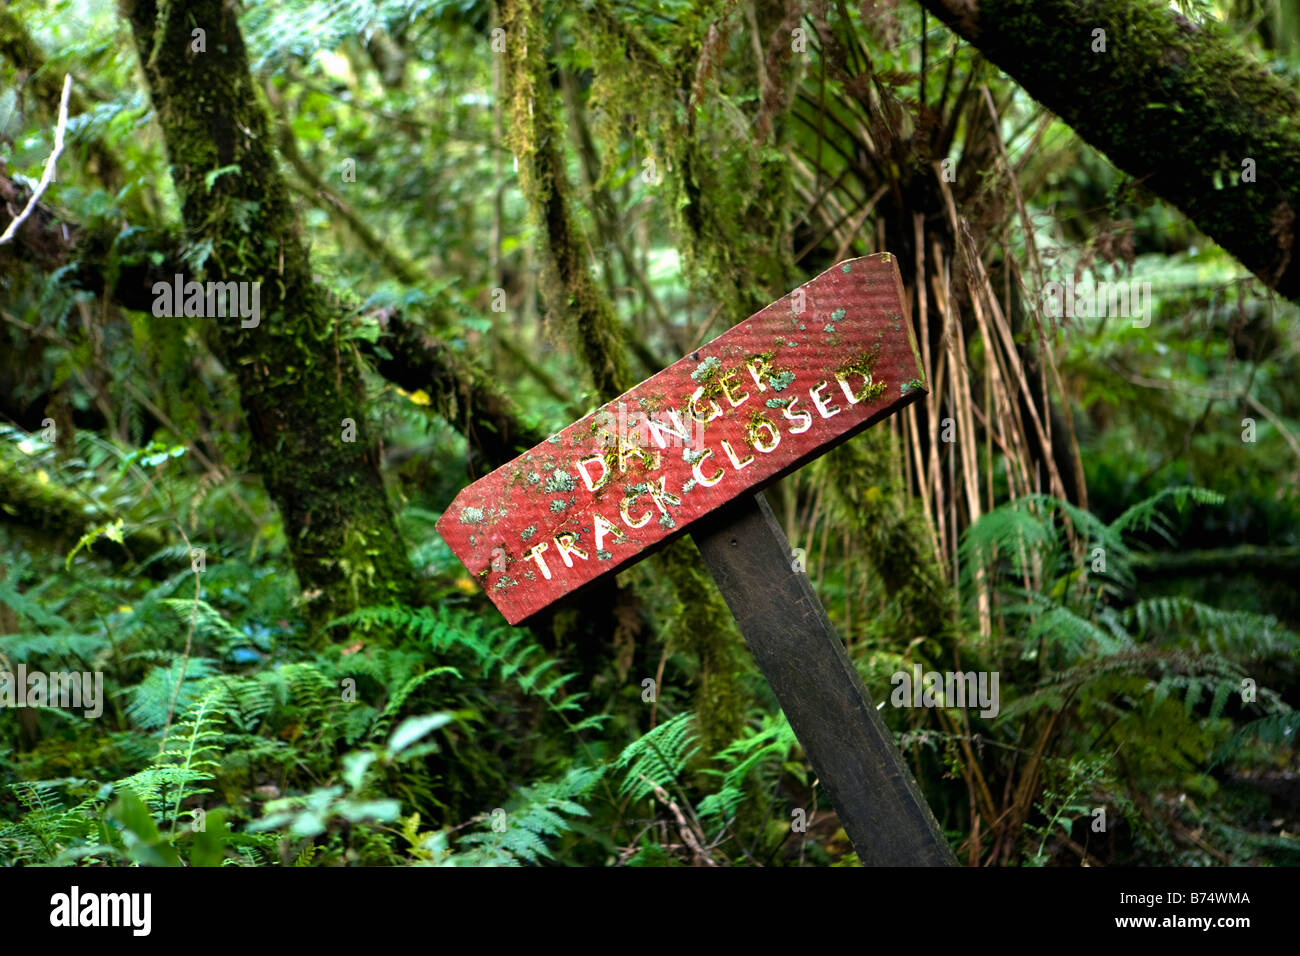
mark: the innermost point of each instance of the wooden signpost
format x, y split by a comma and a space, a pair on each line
689, 449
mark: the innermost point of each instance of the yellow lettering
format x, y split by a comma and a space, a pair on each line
604, 527
628, 450
738, 464
586, 478
662, 496
848, 392
699, 475
536, 554
678, 430
794, 416
774, 438
758, 367
727, 391
564, 543
627, 518
823, 405
694, 407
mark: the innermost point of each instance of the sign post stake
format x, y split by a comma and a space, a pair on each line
798, 651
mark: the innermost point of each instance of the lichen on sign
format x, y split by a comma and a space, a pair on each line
736, 414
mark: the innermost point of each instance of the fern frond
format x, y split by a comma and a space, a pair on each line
150, 700
1073, 634
47, 825
509, 653
536, 815
1244, 634
1275, 729
1147, 515
657, 757
185, 761
771, 741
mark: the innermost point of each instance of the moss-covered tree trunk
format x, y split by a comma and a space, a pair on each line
299, 384
537, 139
694, 615
1172, 103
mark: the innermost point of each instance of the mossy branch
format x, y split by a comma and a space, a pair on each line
536, 137
42, 506
464, 396
1172, 103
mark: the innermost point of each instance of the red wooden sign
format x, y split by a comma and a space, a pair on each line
784, 386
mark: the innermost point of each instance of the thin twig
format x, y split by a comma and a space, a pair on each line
189, 645
48, 175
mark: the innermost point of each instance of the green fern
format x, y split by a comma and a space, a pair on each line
150, 701
1067, 803
36, 835
519, 834
658, 757
185, 761
508, 653
1281, 728
1234, 632
1148, 514
743, 759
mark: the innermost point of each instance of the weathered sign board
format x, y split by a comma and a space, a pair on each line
755, 403
687, 450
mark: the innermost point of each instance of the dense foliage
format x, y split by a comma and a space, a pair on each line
510, 213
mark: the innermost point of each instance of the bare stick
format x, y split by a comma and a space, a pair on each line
48, 175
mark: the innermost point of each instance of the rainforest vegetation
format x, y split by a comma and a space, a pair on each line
425, 236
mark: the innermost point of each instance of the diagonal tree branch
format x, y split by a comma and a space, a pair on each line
47, 176
1172, 103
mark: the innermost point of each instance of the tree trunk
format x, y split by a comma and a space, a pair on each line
1170, 102
299, 385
